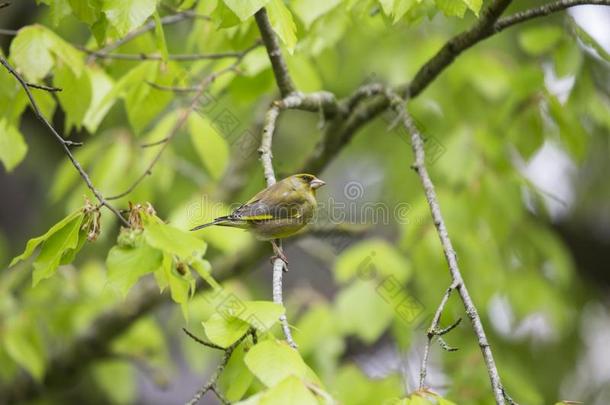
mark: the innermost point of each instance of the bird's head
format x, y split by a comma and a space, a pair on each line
309, 180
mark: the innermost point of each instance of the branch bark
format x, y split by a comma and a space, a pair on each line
280, 70
419, 166
65, 144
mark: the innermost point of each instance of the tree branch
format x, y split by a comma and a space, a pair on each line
155, 57
282, 76
543, 11
419, 166
210, 385
149, 26
433, 331
64, 143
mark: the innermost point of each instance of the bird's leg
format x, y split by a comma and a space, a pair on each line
277, 250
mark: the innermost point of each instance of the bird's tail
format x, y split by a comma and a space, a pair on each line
217, 221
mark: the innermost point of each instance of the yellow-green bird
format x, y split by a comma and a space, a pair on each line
278, 211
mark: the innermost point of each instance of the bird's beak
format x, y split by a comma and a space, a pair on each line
316, 183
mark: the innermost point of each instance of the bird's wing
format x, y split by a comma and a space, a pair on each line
276, 202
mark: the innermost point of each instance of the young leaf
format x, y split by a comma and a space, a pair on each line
126, 264
172, 240
126, 15
75, 96
211, 147
33, 243
290, 391
54, 248
245, 9
236, 378
272, 361
12, 146
30, 54
309, 11
160, 37
224, 332
282, 23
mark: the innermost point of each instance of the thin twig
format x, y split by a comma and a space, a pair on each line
149, 26
202, 342
419, 166
203, 85
210, 385
64, 143
157, 57
266, 160
432, 331
280, 70
542, 11
11, 33
5, 4
43, 87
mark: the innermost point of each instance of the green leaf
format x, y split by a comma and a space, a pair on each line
374, 258
160, 37
474, 5
204, 269
30, 53
261, 315
24, 345
172, 240
309, 11
35, 49
75, 96
88, 11
245, 8
126, 264
143, 102
387, 6
99, 105
224, 329
236, 378
452, 8
33, 243
539, 39
54, 248
224, 332
211, 147
126, 15
272, 361
361, 310
290, 391
282, 23
12, 145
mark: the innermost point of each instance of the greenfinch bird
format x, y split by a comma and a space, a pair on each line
276, 212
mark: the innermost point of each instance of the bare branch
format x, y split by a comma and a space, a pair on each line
5, 4
419, 166
210, 385
64, 143
279, 263
280, 70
